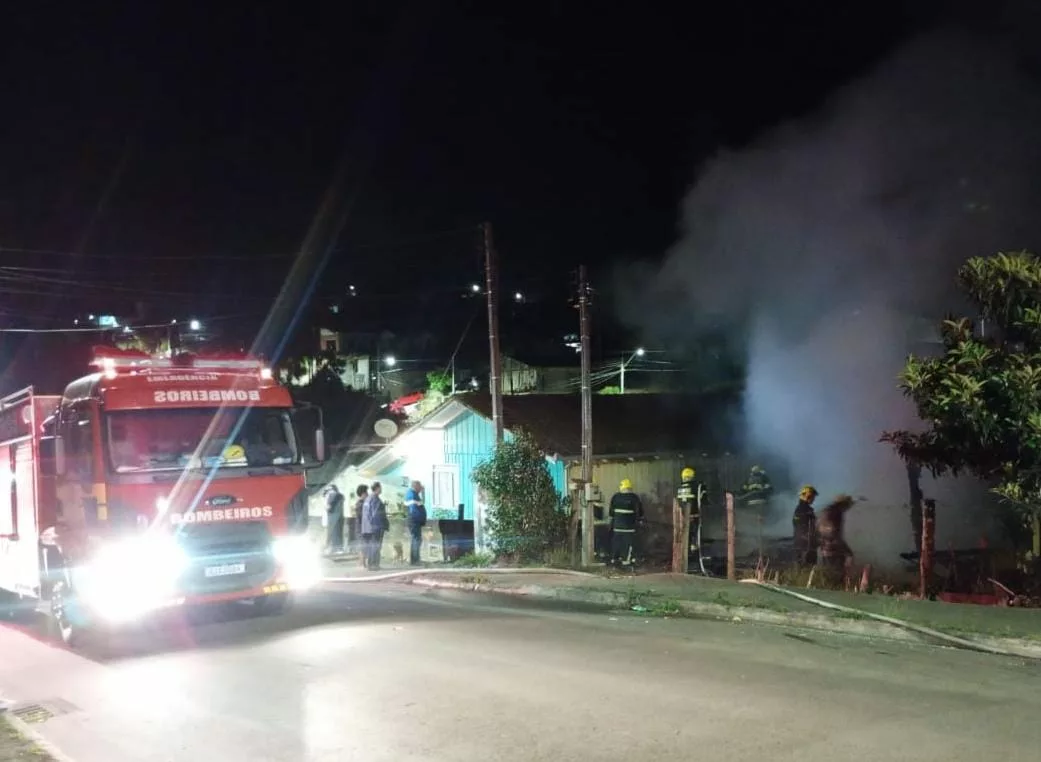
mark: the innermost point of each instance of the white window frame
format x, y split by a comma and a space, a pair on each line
453, 470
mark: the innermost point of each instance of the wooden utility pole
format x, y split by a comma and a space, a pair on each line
588, 550
495, 374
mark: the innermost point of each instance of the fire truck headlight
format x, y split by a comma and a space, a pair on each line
298, 557
131, 577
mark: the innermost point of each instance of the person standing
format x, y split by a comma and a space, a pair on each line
691, 495
374, 523
835, 554
804, 527
626, 511
354, 522
416, 517
333, 520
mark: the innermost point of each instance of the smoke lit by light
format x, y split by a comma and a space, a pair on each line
822, 246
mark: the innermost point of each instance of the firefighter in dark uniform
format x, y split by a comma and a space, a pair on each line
757, 491
690, 496
626, 511
804, 527
756, 494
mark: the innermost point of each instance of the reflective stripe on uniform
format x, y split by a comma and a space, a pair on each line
627, 531
624, 510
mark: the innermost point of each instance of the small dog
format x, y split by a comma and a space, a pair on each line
399, 552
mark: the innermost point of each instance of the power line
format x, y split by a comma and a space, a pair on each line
145, 257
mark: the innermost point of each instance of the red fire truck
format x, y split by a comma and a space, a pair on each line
153, 483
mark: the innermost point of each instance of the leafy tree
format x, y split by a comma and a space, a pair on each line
439, 381
610, 390
526, 516
981, 399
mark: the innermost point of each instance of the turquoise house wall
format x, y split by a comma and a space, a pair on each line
469, 441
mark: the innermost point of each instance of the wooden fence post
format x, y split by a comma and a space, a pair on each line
680, 537
925, 558
731, 538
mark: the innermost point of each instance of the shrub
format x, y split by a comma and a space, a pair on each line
526, 514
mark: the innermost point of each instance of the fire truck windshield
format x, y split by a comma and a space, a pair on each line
161, 440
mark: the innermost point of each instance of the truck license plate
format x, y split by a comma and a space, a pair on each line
224, 570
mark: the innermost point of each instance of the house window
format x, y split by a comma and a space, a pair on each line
445, 492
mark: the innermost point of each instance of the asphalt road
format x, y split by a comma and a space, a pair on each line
388, 672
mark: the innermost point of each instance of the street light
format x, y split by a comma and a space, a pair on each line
640, 352
475, 288
518, 297
390, 360
195, 325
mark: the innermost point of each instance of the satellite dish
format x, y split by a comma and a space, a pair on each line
385, 428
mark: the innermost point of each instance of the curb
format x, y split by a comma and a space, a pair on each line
33, 735
866, 627
612, 600
461, 570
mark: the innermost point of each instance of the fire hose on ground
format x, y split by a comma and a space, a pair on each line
927, 631
467, 570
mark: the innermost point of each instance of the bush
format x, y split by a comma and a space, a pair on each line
527, 516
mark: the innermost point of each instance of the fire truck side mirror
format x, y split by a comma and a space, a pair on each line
319, 445
59, 456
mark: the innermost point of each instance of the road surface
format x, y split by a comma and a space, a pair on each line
391, 672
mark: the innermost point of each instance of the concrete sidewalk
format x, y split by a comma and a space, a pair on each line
1015, 630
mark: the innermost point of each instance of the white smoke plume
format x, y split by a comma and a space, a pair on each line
831, 244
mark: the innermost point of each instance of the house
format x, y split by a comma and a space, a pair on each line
551, 376
646, 438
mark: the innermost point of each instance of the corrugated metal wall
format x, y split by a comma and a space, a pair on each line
656, 481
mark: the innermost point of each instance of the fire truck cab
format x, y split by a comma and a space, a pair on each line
153, 483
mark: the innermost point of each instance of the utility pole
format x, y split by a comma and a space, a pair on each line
587, 417
622, 382
495, 375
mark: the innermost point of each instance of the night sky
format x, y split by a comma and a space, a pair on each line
179, 157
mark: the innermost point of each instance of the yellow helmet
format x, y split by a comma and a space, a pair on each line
234, 452
626, 484
808, 492
687, 474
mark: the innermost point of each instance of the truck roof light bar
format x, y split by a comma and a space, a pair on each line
111, 359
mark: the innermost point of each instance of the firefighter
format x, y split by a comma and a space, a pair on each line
804, 527
835, 554
690, 496
756, 493
757, 490
626, 511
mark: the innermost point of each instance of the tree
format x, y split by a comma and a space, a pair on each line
981, 399
526, 517
439, 381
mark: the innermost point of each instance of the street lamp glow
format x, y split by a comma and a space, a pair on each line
475, 288
390, 360
518, 297
195, 325
640, 351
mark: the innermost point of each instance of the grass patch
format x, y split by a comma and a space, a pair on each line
14, 747
475, 561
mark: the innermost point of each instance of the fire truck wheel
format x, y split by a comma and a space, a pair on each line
272, 604
61, 624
